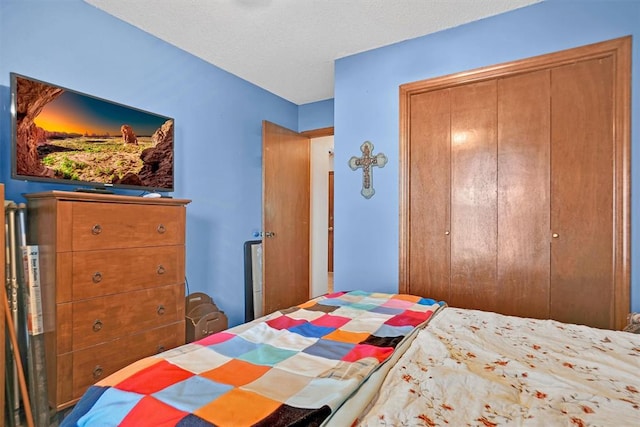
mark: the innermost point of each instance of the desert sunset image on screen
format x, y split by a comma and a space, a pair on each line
65, 135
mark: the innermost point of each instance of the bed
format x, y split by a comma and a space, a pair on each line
375, 359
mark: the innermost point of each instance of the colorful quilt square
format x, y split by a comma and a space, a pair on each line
151, 412
215, 338
366, 321
331, 321
235, 373
429, 301
238, 408
311, 331
322, 391
333, 350
267, 355
307, 364
281, 338
393, 331
286, 384
338, 294
334, 302
235, 347
308, 315
154, 378
383, 341
347, 336
359, 370
321, 308
407, 297
398, 303
192, 393
391, 311
127, 371
284, 322
413, 318
288, 415
200, 359
362, 351
112, 406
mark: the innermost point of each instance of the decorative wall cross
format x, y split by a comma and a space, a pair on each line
367, 162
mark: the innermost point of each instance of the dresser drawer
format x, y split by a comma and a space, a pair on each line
106, 318
112, 271
110, 225
95, 363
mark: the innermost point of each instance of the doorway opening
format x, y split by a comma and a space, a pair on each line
321, 220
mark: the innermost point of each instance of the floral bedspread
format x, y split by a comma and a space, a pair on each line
473, 368
290, 368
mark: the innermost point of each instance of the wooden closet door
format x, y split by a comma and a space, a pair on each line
523, 194
473, 196
429, 170
582, 186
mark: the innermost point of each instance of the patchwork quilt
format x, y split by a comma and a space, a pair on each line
292, 367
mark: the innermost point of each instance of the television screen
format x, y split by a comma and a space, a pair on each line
60, 135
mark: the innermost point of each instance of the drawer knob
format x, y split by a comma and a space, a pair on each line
161, 269
97, 372
97, 325
96, 229
160, 348
161, 228
160, 310
97, 277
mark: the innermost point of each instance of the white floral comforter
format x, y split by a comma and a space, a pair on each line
473, 368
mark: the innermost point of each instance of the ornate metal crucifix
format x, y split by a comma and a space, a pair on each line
366, 162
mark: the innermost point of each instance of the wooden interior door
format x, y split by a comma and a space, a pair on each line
286, 182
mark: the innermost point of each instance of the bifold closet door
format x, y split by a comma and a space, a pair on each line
523, 194
430, 133
474, 225
582, 187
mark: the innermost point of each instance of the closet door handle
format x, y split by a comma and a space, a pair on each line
446, 233
555, 235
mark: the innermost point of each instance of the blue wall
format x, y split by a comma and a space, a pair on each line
366, 108
315, 115
218, 119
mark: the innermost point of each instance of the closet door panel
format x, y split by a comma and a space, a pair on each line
429, 188
523, 194
473, 196
582, 185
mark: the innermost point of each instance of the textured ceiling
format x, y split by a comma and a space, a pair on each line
288, 47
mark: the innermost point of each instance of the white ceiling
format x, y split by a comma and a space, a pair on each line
288, 47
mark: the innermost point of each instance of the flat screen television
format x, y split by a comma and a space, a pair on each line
64, 136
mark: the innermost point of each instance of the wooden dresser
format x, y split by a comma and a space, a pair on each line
112, 277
